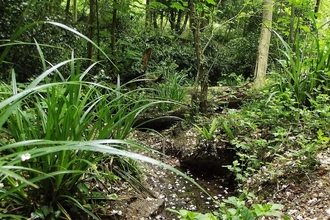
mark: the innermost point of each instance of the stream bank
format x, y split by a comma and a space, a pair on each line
183, 150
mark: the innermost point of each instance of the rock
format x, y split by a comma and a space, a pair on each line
145, 208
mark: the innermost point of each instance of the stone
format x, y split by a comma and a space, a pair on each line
144, 208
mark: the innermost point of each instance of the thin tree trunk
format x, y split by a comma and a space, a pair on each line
67, 8
91, 28
148, 15
50, 7
194, 25
178, 21
263, 51
154, 19
113, 26
161, 21
317, 7
183, 27
75, 11
202, 76
172, 18
292, 19
97, 27
203, 21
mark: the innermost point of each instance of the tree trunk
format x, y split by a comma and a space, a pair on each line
292, 22
317, 7
67, 8
148, 15
75, 11
91, 29
172, 18
161, 22
201, 78
113, 26
178, 21
97, 27
183, 27
263, 51
154, 19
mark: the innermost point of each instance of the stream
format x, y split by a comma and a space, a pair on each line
174, 191
179, 193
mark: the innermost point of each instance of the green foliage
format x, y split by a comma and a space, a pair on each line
49, 156
58, 131
228, 130
235, 60
305, 67
268, 210
177, 58
72, 110
22, 21
236, 168
208, 133
189, 215
172, 86
235, 208
290, 27
75, 112
272, 127
165, 59
231, 80
179, 6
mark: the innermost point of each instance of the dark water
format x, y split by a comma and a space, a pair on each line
180, 193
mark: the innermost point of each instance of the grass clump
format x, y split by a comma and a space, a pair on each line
45, 177
56, 131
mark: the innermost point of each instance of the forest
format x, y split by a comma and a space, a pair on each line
164, 109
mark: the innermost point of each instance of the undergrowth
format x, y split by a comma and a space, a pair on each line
64, 137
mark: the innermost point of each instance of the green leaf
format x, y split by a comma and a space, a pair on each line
37, 214
183, 212
247, 214
212, 2
177, 6
276, 207
214, 126
268, 210
113, 196
228, 130
191, 215
232, 211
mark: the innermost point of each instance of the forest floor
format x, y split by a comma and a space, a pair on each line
170, 190
304, 195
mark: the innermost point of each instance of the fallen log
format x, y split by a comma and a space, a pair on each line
165, 120
160, 121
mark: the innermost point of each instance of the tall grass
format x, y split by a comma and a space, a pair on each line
306, 67
57, 131
173, 89
72, 110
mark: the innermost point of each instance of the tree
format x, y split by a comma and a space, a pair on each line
263, 50
148, 18
67, 7
113, 26
317, 6
75, 11
90, 28
201, 77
